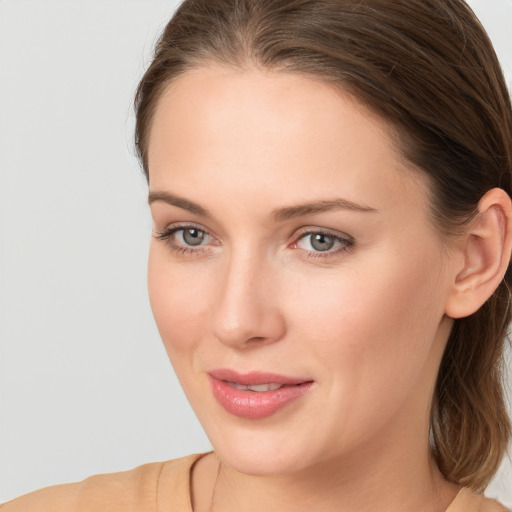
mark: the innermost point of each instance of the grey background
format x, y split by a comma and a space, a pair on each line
85, 384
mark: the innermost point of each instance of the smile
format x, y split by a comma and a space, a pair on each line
255, 395
256, 388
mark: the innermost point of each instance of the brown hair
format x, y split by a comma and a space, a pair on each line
428, 68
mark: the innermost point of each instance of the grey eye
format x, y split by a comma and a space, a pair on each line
192, 236
321, 241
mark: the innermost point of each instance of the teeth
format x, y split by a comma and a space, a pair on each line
256, 387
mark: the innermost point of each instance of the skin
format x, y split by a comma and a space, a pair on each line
366, 321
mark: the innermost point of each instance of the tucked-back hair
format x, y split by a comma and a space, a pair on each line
429, 69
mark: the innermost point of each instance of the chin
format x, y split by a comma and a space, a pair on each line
260, 461
262, 449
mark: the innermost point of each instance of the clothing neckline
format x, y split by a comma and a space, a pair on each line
462, 501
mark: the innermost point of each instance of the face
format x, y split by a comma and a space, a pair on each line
296, 280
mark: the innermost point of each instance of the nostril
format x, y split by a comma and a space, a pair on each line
256, 339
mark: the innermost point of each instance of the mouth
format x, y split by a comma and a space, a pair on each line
256, 395
255, 388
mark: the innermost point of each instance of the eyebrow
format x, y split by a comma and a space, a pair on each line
290, 212
279, 215
180, 202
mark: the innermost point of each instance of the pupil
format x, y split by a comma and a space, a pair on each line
322, 242
193, 236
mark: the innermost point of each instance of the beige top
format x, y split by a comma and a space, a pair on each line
158, 487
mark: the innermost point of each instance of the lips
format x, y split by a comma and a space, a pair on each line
256, 395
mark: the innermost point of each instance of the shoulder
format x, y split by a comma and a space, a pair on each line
470, 501
143, 489
489, 505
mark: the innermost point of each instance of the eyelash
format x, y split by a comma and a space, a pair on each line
346, 242
167, 237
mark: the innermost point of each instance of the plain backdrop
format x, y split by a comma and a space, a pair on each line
85, 384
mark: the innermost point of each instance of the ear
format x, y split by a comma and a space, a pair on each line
486, 247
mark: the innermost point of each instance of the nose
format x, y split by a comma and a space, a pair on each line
247, 312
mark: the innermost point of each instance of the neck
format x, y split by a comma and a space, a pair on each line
340, 485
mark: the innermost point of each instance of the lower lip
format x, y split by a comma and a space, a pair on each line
255, 404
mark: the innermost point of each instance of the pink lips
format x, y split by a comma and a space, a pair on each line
246, 403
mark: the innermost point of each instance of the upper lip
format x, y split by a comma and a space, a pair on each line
254, 378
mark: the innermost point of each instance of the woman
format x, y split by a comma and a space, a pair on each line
330, 188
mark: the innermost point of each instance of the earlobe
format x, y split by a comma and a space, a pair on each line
487, 249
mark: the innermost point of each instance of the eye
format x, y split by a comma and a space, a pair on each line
191, 236
323, 244
185, 239
317, 242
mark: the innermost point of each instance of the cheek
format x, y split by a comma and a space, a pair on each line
179, 300
369, 335
373, 327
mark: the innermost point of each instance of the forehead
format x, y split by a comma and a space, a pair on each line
252, 129
270, 105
